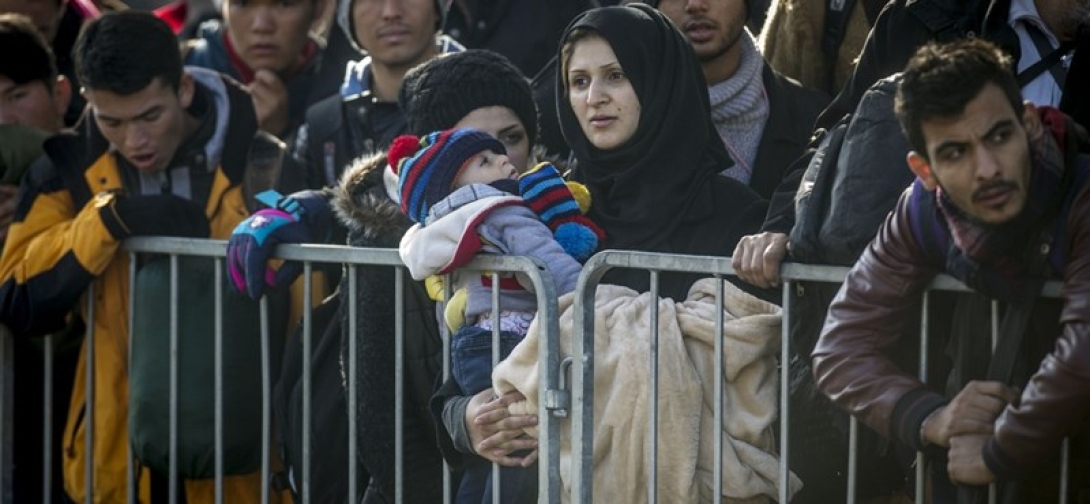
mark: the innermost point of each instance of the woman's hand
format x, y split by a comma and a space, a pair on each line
495, 433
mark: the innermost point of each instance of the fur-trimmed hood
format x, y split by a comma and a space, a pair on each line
366, 201
367, 207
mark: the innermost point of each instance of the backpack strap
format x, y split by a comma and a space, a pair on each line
323, 121
931, 234
1050, 58
1008, 346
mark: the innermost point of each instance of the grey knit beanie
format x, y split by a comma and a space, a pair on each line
344, 19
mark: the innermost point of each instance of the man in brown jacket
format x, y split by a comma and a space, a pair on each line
998, 182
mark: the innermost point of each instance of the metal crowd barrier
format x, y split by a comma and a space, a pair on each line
581, 394
718, 267
351, 258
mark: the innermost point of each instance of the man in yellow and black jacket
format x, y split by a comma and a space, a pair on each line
161, 152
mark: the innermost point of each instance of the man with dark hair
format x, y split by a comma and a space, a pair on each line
363, 118
1000, 201
266, 45
33, 100
162, 153
32, 93
764, 118
59, 21
1049, 45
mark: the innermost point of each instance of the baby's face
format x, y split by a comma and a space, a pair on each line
484, 168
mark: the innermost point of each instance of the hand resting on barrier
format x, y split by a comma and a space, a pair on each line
302, 217
972, 411
757, 258
497, 434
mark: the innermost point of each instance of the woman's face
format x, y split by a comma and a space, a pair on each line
601, 96
502, 123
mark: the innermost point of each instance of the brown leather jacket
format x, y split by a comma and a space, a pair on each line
865, 320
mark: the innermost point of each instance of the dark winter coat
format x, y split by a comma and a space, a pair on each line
792, 109
374, 220
524, 32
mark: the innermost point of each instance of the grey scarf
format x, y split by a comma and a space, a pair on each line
740, 110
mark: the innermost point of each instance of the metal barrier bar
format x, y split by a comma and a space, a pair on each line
653, 410
399, 386
89, 404
583, 383
47, 418
496, 324
218, 364
558, 403
445, 336
853, 459
266, 399
785, 409
717, 483
925, 337
172, 470
1065, 465
994, 315
353, 387
308, 293
7, 420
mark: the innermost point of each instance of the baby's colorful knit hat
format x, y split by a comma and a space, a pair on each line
543, 189
428, 166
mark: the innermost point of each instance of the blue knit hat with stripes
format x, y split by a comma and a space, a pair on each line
427, 166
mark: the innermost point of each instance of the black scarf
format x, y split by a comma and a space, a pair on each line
661, 178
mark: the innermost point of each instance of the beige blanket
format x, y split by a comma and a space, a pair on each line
686, 394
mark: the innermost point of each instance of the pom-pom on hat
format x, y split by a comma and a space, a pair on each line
543, 189
427, 166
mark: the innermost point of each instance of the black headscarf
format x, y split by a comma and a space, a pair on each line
661, 190
644, 190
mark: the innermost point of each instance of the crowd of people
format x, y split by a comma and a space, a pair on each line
452, 128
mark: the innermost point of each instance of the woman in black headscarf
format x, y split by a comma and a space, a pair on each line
654, 183
651, 160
